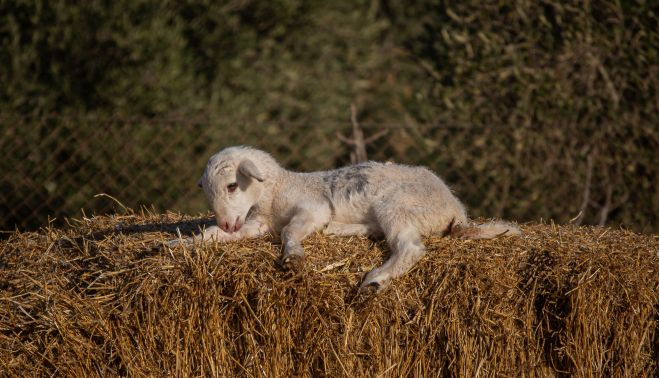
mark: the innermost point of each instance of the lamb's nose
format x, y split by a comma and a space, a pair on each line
225, 226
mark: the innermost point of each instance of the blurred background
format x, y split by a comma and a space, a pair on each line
530, 110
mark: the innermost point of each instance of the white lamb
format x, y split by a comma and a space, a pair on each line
252, 194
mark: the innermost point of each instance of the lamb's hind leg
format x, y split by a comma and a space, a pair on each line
406, 250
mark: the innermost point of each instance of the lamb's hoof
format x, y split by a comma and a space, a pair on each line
176, 243
369, 289
292, 262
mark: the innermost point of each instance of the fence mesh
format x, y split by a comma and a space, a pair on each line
55, 167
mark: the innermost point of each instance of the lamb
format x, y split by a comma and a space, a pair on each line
251, 194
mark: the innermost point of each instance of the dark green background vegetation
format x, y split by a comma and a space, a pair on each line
529, 109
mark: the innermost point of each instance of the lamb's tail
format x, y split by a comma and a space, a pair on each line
487, 230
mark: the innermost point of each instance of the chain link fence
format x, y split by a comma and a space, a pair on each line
56, 167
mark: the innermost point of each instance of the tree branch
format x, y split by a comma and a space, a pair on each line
604, 213
376, 136
586, 190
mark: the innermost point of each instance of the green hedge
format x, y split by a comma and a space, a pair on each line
544, 87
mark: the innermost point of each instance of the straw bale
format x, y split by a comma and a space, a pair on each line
97, 298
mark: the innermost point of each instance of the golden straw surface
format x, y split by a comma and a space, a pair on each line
99, 298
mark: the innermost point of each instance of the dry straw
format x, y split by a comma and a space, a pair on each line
97, 299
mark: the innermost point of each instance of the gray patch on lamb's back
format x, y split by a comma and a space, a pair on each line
347, 181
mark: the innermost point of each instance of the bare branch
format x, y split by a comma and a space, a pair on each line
586, 190
611, 88
376, 136
357, 137
345, 139
357, 143
604, 213
353, 115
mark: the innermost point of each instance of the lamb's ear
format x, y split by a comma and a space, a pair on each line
249, 169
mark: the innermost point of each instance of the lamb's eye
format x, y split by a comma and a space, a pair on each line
232, 187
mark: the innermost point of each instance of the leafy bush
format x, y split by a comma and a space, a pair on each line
532, 109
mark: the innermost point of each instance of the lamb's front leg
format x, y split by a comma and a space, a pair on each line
214, 234
305, 220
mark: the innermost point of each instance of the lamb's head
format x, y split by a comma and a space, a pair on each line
233, 185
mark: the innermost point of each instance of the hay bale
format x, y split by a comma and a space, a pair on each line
97, 299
